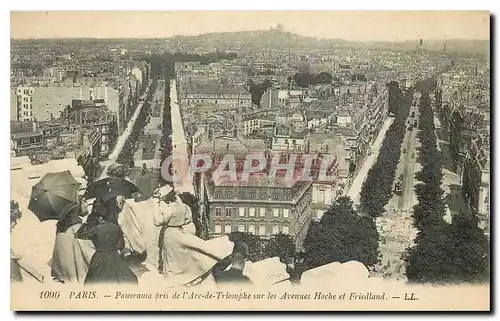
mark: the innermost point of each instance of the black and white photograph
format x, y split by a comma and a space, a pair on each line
250, 160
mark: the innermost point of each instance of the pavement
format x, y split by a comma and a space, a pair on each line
122, 139
355, 188
180, 156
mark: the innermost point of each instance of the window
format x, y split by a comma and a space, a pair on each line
286, 213
321, 196
276, 212
285, 230
262, 212
218, 211
276, 229
252, 211
241, 228
229, 212
251, 228
262, 230
218, 228
276, 196
242, 211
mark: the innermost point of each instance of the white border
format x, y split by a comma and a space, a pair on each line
180, 5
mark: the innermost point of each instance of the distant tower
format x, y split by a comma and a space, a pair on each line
421, 43
444, 47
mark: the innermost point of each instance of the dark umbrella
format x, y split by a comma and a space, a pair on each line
115, 185
53, 194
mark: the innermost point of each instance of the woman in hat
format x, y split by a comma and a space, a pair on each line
182, 256
107, 265
70, 256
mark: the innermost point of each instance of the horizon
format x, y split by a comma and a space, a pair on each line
378, 26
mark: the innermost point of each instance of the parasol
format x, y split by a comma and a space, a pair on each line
53, 194
115, 185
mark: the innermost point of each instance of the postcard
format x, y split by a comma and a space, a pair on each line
253, 160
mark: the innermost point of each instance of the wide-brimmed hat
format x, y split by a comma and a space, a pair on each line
165, 190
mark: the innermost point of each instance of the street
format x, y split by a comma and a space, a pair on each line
395, 227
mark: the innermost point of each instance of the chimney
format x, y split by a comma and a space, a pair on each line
91, 94
35, 126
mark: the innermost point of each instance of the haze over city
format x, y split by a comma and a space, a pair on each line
348, 25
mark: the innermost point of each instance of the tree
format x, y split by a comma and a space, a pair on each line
442, 253
341, 236
280, 245
254, 243
258, 90
324, 78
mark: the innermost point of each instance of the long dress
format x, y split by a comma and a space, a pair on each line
106, 265
183, 256
71, 256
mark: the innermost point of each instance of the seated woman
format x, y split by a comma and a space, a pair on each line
107, 266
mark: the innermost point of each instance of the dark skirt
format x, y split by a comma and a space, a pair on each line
108, 267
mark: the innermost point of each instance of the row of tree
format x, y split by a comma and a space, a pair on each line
443, 253
305, 79
377, 187
126, 155
341, 236
258, 90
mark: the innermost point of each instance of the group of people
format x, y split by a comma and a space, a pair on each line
97, 251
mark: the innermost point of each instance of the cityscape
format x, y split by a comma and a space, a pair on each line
395, 137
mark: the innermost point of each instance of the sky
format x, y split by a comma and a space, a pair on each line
348, 25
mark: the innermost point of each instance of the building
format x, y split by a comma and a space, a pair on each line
260, 206
95, 121
26, 144
228, 96
476, 178
330, 148
285, 139
47, 102
463, 127
256, 122
24, 103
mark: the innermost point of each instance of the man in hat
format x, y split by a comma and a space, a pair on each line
230, 270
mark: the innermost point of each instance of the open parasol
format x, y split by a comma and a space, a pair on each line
115, 185
53, 194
